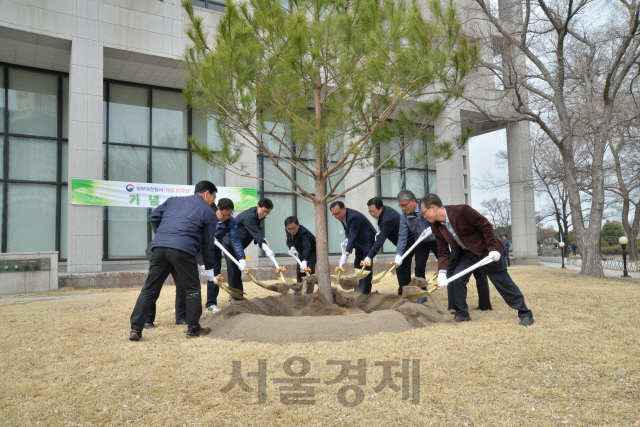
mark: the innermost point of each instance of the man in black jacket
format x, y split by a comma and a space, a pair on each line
248, 227
360, 235
301, 243
389, 224
182, 225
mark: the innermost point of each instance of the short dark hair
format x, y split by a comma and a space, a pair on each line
225, 204
266, 203
377, 201
406, 195
214, 207
504, 235
291, 220
337, 203
204, 186
431, 199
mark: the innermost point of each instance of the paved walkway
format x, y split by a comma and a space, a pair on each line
50, 298
607, 273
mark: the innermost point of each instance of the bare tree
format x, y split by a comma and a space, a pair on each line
557, 65
499, 212
624, 179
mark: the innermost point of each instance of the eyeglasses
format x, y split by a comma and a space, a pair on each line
424, 212
338, 213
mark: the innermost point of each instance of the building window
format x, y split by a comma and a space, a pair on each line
217, 5
466, 199
464, 181
145, 140
286, 204
410, 172
33, 163
464, 163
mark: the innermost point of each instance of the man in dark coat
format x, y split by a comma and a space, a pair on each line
248, 227
389, 225
360, 235
301, 243
226, 226
182, 225
472, 238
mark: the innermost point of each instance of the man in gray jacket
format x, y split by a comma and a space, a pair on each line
182, 225
412, 225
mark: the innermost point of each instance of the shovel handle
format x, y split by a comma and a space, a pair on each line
296, 258
362, 263
226, 252
408, 251
482, 262
340, 269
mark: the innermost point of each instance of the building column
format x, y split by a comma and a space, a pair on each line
449, 172
85, 236
357, 198
523, 224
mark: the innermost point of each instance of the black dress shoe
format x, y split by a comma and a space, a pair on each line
526, 321
149, 325
452, 311
483, 308
462, 319
181, 322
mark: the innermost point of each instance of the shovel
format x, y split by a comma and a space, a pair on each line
247, 271
385, 274
236, 293
286, 280
306, 271
482, 262
362, 273
335, 278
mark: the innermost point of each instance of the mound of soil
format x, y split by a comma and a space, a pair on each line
288, 318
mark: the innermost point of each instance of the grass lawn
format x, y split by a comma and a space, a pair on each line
70, 363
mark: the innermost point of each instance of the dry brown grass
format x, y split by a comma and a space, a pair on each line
70, 363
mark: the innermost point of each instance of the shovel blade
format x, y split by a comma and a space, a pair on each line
381, 276
361, 274
335, 278
286, 280
258, 282
420, 295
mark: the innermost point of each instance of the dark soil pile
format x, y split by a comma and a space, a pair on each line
289, 318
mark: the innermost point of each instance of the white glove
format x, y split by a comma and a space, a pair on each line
293, 251
398, 260
426, 233
243, 265
367, 260
208, 274
442, 280
494, 255
343, 260
344, 245
268, 252
303, 265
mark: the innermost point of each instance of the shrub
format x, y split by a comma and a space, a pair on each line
612, 250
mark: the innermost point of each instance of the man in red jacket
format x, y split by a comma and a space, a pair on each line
472, 238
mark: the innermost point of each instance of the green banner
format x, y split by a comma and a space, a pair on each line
144, 195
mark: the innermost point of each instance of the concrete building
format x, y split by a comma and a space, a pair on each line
91, 89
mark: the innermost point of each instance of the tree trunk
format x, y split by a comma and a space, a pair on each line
588, 238
322, 245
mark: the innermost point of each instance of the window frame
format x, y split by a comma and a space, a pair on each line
402, 169
5, 134
262, 156
150, 147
